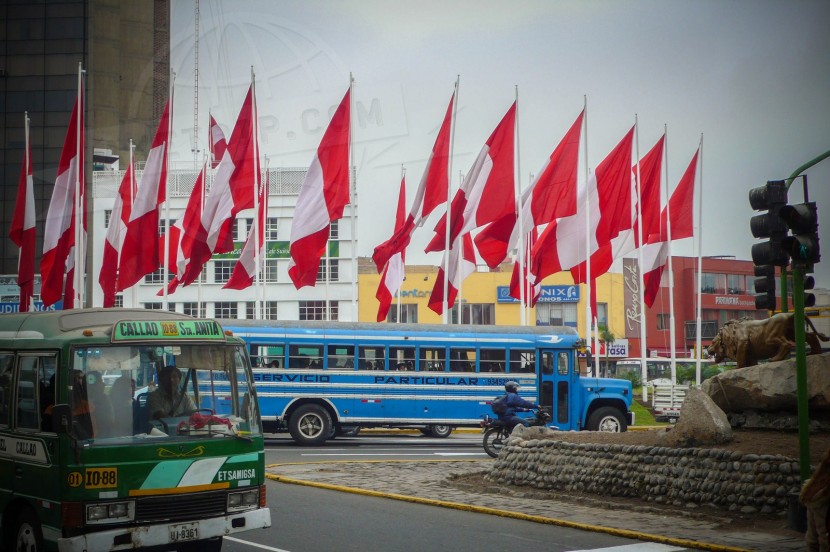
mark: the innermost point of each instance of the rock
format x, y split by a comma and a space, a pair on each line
771, 387
701, 422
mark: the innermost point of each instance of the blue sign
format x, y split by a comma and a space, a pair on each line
550, 294
7, 308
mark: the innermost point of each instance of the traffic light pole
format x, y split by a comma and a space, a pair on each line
801, 374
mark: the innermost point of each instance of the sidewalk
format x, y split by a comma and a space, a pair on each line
426, 482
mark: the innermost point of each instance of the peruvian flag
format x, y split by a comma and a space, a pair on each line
393, 272
561, 246
323, 196
487, 197
186, 235
462, 263
120, 216
59, 230
22, 231
218, 144
140, 251
246, 268
431, 193
651, 168
520, 276
680, 211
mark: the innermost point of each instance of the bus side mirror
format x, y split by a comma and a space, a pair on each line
61, 418
589, 358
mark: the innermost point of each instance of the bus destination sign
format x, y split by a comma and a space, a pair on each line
140, 330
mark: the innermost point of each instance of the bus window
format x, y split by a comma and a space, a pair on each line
371, 358
562, 402
402, 358
6, 360
492, 360
27, 394
305, 356
563, 364
462, 360
267, 356
341, 357
432, 359
523, 361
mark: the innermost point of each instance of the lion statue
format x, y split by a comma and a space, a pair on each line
747, 341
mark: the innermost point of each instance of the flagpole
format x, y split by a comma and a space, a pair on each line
77, 277
587, 232
640, 279
398, 293
353, 209
26, 302
517, 191
133, 301
698, 352
444, 314
255, 183
166, 271
672, 329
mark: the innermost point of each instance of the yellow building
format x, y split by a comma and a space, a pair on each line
484, 300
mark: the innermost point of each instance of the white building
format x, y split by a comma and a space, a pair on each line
276, 294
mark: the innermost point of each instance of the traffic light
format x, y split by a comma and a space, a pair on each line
803, 245
809, 298
765, 287
771, 197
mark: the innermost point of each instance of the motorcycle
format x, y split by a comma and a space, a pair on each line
496, 433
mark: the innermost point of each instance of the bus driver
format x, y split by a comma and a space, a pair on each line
167, 400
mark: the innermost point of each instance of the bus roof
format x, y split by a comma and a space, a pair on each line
50, 324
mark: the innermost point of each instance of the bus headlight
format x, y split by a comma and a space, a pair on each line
243, 500
110, 512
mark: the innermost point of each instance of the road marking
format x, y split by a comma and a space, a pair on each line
255, 544
380, 454
639, 547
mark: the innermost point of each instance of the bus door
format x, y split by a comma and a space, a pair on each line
34, 444
555, 370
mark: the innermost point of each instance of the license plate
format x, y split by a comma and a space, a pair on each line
184, 532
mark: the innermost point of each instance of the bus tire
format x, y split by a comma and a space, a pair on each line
440, 431
25, 534
310, 425
607, 419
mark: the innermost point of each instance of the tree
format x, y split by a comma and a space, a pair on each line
607, 337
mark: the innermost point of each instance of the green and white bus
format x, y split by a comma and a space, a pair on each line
84, 463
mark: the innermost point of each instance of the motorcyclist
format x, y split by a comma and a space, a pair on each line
515, 404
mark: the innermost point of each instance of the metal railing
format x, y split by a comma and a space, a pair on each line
708, 329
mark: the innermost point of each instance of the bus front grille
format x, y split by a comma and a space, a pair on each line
180, 507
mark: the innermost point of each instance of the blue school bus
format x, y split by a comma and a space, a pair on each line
318, 379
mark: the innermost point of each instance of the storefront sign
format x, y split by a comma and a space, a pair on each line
549, 294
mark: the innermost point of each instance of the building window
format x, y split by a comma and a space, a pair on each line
271, 271
250, 310
162, 226
107, 216
736, 284
713, 283
475, 313
157, 277
334, 270
119, 301
409, 314
224, 309
316, 310
663, 321
193, 309
222, 271
270, 308
153, 306
334, 230
602, 314
557, 314
271, 229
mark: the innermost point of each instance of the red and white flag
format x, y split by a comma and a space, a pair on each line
462, 263
246, 268
60, 228
431, 193
186, 235
232, 191
562, 245
117, 231
520, 277
323, 196
393, 273
681, 212
22, 231
487, 197
218, 144
140, 251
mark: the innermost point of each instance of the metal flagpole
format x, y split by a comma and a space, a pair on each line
641, 284
256, 184
445, 315
587, 231
353, 209
518, 194
131, 170
698, 352
672, 329
165, 272
78, 275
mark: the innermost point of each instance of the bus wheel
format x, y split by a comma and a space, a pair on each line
440, 431
607, 419
310, 425
26, 534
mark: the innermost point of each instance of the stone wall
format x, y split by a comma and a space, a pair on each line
662, 475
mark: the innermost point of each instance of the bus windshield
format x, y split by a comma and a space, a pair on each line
127, 393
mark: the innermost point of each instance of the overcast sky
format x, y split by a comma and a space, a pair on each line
751, 76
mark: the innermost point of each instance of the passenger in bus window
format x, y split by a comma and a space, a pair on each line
99, 402
121, 397
402, 367
167, 400
274, 364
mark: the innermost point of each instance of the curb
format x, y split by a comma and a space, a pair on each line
625, 533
